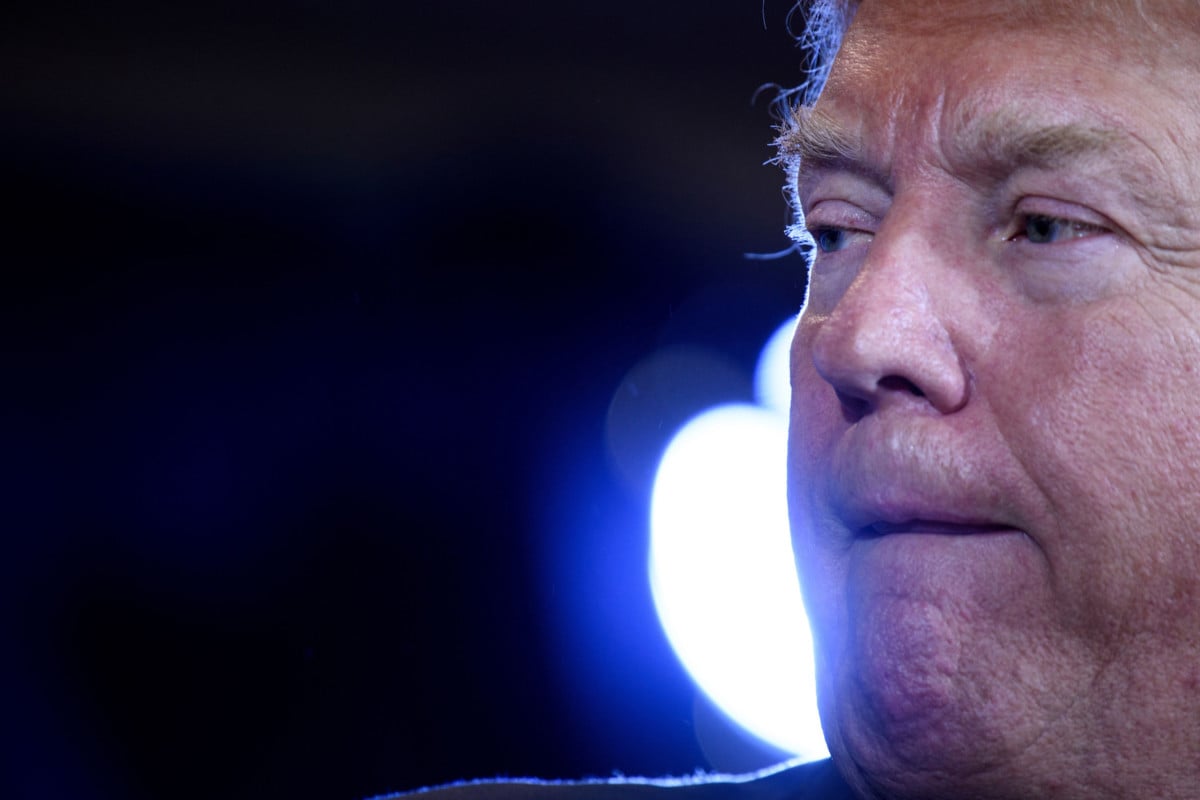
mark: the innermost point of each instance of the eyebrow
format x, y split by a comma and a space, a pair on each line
815, 138
1004, 140
995, 141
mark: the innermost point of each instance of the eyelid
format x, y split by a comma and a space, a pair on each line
1037, 206
840, 214
1074, 224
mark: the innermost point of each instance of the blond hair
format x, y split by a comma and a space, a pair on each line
825, 23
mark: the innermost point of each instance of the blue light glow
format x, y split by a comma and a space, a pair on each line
772, 376
721, 564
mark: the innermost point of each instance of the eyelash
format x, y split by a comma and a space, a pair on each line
1075, 229
820, 232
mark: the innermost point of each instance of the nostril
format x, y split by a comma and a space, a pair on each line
897, 383
853, 408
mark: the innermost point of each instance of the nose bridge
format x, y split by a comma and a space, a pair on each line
891, 295
888, 335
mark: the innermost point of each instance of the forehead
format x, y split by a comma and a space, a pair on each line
1164, 20
940, 68
1145, 33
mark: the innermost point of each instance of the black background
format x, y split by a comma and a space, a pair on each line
315, 313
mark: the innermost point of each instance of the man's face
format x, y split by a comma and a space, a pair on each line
995, 443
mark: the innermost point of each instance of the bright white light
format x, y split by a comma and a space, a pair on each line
772, 377
722, 571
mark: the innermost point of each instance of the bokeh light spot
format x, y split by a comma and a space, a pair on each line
772, 377
722, 570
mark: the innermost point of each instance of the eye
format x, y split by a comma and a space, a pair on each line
830, 239
835, 224
1045, 229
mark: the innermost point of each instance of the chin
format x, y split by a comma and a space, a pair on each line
918, 739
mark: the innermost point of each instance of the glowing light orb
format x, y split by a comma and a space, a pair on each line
721, 566
773, 375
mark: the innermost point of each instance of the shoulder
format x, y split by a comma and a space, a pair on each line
814, 781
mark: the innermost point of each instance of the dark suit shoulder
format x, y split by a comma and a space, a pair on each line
814, 781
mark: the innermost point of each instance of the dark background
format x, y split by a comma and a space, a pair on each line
315, 315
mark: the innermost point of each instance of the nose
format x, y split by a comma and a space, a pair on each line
885, 340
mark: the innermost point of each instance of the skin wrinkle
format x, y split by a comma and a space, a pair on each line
1151, 194
1148, 190
1030, 144
1079, 418
999, 140
1098, 677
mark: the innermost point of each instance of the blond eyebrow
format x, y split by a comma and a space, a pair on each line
1000, 140
814, 137
1003, 140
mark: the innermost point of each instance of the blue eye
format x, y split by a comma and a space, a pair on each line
829, 240
1042, 229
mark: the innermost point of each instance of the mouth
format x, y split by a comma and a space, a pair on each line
880, 529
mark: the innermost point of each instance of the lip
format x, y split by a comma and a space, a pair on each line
930, 526
919, 507
889, 474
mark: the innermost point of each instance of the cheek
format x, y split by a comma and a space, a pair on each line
815, 424
816, 414
1100, 411
815, 418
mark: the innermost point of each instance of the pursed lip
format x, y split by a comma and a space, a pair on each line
930, 526
915, 504
887, 476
